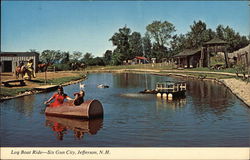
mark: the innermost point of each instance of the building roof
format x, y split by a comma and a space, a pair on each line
216, 41
142, 58
188, 52
14, 54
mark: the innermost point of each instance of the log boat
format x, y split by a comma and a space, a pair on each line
87, 110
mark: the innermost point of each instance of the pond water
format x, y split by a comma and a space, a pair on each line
209, 116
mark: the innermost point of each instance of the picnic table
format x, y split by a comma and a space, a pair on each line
7, 83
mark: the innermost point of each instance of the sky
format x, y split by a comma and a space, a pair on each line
87, 26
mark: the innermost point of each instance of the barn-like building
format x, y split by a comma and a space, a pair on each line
10, 60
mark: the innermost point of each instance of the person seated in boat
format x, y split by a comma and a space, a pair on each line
79, 98
59, 97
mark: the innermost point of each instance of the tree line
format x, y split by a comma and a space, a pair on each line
159, 41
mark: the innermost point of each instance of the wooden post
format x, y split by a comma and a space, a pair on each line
208, 57
202, 57
226, 57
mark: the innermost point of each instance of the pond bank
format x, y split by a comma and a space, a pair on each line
238, 87
33, 91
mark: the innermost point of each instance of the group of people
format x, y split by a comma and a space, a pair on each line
60, 96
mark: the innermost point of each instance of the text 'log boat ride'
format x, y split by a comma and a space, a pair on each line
168, 89
87, 110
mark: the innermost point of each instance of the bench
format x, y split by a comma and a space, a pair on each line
7, 83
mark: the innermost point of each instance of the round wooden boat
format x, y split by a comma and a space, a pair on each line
89, 109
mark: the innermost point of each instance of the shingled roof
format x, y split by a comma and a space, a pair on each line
216, 40
188, 52
19, 53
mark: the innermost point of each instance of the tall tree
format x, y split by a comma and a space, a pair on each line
76, 56
234, 39
198, 35
135, 43
147, 46
50, 56
87, 58
117, 58
65, 57
178, 43
121, 41
161, 32
107, 57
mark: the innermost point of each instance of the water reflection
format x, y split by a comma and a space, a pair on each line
131, 80
25, 105
172, 104
61, 125
210, 96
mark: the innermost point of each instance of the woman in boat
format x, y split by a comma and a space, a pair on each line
59, 98
79, 98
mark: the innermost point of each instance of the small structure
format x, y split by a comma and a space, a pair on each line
241, 56
188, 58
168, 89
213, 46
171, 87
10, 60
200, 57
140, 60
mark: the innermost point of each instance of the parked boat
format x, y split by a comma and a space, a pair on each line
89, 109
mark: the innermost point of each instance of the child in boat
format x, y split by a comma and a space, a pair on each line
79, 98
59, 98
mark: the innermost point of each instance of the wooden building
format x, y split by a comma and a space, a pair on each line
10, 60
213, 47
189, 58
200, 57
241, 56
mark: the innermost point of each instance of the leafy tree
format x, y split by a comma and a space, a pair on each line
198, 35
161, 32
159, 52
147, 46
234, 39
135, 42
121, 41
97, 61
50, 56
87, 58
178, 43
117, 58
107, 57
76, 56
65, 57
